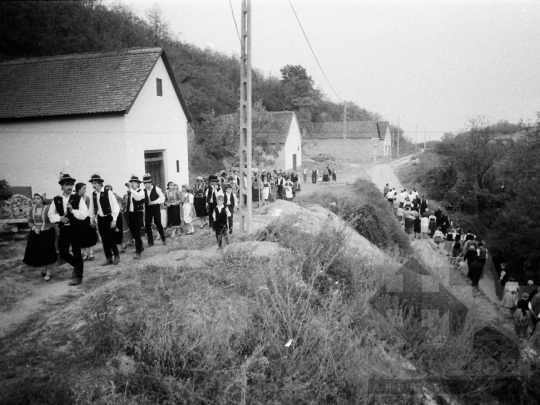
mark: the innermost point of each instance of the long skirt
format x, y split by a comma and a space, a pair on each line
521, 323
448, 245
126, 234
200, 206
40, 250
255, 195
88, 234
432, 228
188, 209
173, 215
334, 176
409, 225
325, 178
508, 303
265, 193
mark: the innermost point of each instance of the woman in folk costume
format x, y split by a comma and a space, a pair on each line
265, 190
188, 198
199, 201
288, 186
40, 250
449, 241
127, 236
423, 204
326, 175
88, 233
424, 224
432, 225
522, 318
256, 189
173, 200
120, 225
510, 296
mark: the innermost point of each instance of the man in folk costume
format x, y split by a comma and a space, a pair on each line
220, 214
212, 192
103, 211
230, 200
153, 198
135, 212
68, 210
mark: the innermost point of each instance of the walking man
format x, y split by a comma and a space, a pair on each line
103, 211
212, 192
153, 198
135, 209
68, 211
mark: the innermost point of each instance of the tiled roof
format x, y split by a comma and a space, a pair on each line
87, 83
278, 129
355, 130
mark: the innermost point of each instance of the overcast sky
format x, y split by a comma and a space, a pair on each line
434, 64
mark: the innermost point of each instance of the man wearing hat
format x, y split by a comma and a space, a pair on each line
212, 192
135, 209
153, 197
104, 212
68, 210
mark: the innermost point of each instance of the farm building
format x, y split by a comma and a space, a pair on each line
366, 140
282, 133
112, 113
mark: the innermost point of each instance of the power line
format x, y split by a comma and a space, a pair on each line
236, 25
312, 51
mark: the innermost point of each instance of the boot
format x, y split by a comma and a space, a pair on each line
116, 259
75, 281
107, 261
137, 256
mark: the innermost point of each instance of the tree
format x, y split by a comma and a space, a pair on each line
5, 190
298, 90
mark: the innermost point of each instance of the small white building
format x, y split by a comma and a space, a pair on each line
286, 136
112, 113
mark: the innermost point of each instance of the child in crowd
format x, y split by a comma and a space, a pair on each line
220, 215
438, 237
188, 198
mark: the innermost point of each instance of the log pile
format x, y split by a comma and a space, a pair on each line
16, 207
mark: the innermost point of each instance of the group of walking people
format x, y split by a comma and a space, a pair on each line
521, 302
325, 175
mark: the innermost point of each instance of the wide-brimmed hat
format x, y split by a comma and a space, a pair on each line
147, 178
212, 177
65, 177
135, 178
96, 177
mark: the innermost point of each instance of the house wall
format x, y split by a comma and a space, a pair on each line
387, 144
358, 150
158, 123
33, 153
293, 145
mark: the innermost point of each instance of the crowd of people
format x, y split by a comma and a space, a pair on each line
70, 226
419, 221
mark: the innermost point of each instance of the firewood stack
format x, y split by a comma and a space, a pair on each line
16, 207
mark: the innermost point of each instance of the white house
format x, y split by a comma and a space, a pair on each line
366, 140
112, 113
287, 137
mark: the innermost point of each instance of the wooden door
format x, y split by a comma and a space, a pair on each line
153, 164
294, 162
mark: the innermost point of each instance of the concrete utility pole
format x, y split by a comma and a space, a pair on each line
397, 133
246, 213
345, 134
416, 140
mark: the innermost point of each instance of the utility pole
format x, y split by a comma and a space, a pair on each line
397, 133
345, 133
425, 137
246, 213
416, 140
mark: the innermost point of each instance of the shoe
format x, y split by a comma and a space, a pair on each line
151, 244
137, 256
189, 233
85, 258
75, 281
164, 242
131, 242
108, 261
230, 231
91, 257
116, 260
47, 277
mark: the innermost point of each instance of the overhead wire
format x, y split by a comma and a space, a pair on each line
312, 51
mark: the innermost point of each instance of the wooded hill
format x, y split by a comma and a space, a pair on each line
209, 80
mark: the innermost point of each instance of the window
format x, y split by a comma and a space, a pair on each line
159, 87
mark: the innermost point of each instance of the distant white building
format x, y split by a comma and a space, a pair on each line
113, 113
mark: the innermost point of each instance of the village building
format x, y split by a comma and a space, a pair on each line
365, 140
112, 113
282, 135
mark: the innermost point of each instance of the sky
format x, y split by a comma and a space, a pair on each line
433, 65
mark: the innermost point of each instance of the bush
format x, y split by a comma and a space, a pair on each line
5, 190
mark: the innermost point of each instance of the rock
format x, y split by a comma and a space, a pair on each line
124, 364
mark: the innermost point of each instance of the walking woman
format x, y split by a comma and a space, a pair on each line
425, 227
417, 228
423, 204
438, 237
188, 198
199, 202
173, 199
521, 317
88, 232
508, 302
288, 186
265, 190
409, 223
40, 250
448, 241
432, 225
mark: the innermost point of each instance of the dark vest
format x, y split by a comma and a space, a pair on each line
74, 200
103, 201
228, 203
221, 217
153, 196
211, 197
